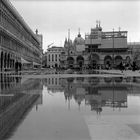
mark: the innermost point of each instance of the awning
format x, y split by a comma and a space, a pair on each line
36, 64
23, 61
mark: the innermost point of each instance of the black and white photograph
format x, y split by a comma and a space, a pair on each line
69, 69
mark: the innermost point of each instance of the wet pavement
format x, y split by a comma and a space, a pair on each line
69, 107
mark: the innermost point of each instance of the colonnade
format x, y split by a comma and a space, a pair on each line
9, 61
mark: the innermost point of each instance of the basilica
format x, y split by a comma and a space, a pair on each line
98, 49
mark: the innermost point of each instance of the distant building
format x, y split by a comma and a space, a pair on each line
53, 56
98, 49
106, 92
134, 48
53, 84
72, 56
44, 60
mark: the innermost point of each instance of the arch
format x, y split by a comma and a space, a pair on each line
8, 60
107, 60
94, 81
107, 79
80, 61
128, 59
118, 60
56, 65
70, 79
118, 79
5, 60
80, 79
70, 61
2, 60
16, 65
11, 60
94, 60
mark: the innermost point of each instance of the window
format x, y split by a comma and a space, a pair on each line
52, 57
55, 57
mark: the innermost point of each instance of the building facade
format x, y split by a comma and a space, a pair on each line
97, 92
98, 50
72, 55
134, 47
52, 57
18, 44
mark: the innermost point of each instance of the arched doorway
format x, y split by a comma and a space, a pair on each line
107, 80
80, 61
128, 59
56, 65
70, 61
118, 60
11, 61
5, 60
8, 61
1, 60
16, 65
93, 81
118, 79
108, 61
93, 61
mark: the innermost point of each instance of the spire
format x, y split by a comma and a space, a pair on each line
79, 30
65, 40
68, 35
36, 31
119, 29
97, 23
100, 28
79, 35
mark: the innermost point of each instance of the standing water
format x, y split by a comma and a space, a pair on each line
79, 108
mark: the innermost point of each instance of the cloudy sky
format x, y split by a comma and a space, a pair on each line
54, 18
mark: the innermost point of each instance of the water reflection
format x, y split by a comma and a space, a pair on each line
17, 98
53, 84
95, 92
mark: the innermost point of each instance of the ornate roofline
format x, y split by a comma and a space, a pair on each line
13, 10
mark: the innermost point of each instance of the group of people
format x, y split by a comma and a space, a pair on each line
127, 66
124, 66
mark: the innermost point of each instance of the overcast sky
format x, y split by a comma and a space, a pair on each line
54, 18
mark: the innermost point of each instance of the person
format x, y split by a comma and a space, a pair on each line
107, 65
126, 66
134, 66
16, 66
121, 67
20, 65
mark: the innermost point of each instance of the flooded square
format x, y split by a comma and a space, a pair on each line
69, 70
72, 108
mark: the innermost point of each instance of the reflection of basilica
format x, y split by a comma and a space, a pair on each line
98, 92
94, 91
16, 101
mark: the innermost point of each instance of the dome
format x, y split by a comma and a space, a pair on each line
79, 40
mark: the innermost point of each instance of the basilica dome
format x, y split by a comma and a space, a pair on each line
79, 40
